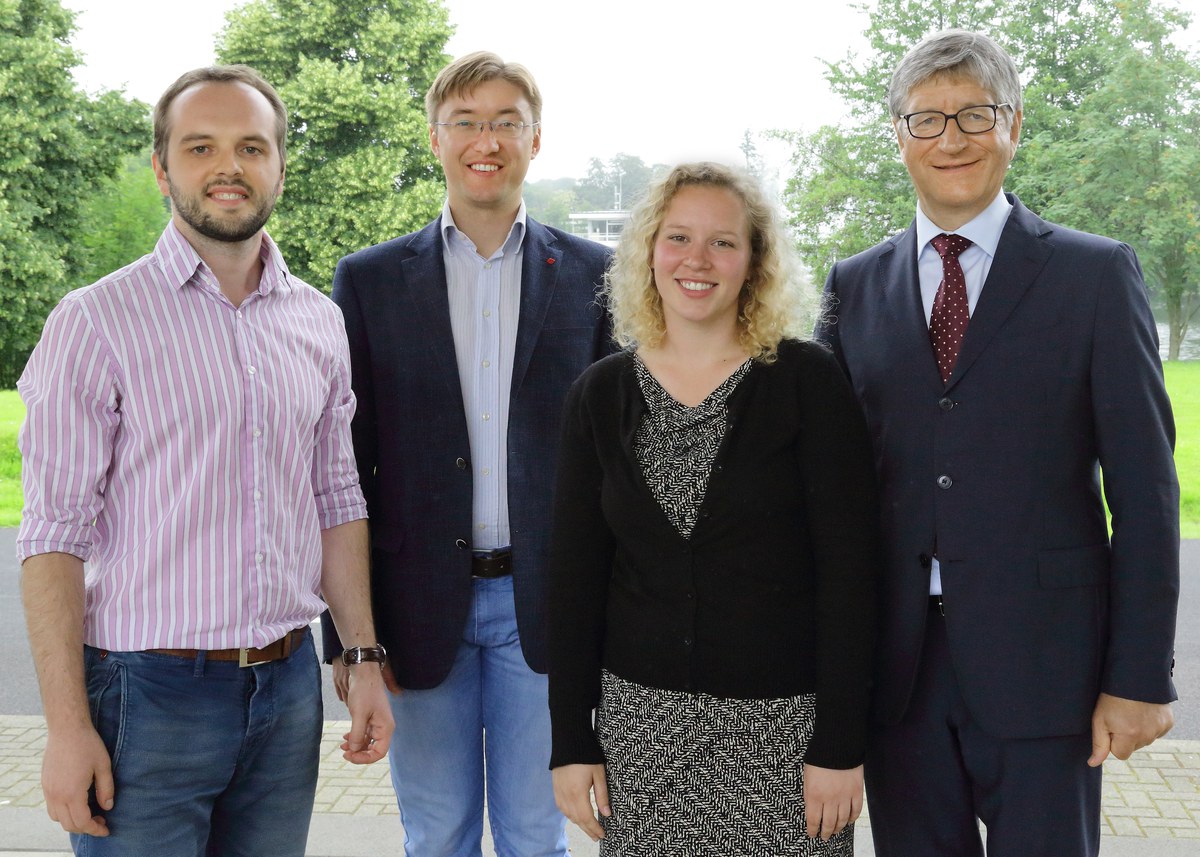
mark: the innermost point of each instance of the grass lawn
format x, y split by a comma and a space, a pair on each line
11, 414
1183, 383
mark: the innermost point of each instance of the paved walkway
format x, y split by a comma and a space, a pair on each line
1151, 802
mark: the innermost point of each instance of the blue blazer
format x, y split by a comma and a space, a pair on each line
410, 434
999, 471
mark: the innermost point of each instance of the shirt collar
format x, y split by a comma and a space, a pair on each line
451, 233
181, 264
983, 230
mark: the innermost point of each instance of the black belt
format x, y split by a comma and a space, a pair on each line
935, 604
491, 564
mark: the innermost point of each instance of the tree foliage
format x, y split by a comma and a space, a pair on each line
57, 146
124, 218
353, 74
1108, 144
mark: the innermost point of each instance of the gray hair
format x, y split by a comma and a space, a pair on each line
956, 53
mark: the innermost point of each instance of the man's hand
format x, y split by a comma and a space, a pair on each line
371, 721
75, 760
832, 799
572, 787
341, 679
1121, 726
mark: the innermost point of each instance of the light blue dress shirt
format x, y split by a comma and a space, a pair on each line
485, 304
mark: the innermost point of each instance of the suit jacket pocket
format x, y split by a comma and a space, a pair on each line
1070, 567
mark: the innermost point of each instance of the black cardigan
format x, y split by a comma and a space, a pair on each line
773, 595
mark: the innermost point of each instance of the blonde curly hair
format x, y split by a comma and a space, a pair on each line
778, 301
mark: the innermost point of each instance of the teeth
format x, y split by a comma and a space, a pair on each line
228, 196
485, 168
696, 286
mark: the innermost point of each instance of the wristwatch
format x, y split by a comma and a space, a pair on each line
358, 654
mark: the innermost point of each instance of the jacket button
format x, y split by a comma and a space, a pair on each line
946, 404
944, 481
460, 463
461, 544
926, 560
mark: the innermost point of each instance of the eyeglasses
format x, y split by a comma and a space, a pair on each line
978, 119
503, 129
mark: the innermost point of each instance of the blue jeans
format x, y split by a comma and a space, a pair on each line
441, 764
208, 758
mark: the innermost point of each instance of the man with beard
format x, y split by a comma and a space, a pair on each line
188, 439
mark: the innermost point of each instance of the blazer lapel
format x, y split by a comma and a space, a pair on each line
902, 296
424, 275
1020, 257
541, 261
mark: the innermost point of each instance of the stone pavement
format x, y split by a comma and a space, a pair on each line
1151, 802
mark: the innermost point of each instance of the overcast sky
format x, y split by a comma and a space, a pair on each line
664, 81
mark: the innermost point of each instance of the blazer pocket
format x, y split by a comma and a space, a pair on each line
1069, 567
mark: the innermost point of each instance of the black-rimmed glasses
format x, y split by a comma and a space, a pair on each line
977, 119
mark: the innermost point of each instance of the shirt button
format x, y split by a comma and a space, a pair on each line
487, 313
487, 471
944, 481
483, 526
238, 313
487, 266
486, 417
487, 363
258, 558
257, 495
251, 369
258, 432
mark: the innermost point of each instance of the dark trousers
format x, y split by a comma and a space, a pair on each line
936, 774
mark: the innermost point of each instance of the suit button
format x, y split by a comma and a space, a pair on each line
926, 560
946, 404
944, 481
460, 463
461, 544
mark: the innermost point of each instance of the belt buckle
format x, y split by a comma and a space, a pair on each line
244, 659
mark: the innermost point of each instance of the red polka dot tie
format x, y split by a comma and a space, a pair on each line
950, 316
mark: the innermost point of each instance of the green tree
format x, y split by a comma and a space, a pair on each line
353, 74
551, 201
1108, 107
57, 146
616, 184
124, 219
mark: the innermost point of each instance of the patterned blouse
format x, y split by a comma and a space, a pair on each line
676, 445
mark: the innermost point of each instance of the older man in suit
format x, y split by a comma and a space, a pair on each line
1004, 363
464, 338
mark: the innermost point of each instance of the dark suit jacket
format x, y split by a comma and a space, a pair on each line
1058, 378
410, 433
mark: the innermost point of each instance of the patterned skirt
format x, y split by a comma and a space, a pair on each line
691, 775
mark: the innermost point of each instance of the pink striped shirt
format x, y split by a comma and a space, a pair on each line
189, 451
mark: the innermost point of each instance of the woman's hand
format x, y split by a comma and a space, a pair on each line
832, 799
572, 787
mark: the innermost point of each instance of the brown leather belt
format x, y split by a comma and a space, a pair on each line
491, 564
277, 651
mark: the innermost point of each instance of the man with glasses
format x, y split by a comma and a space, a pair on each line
1003, 363
464, 338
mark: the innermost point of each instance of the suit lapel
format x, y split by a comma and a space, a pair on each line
424, 276
1020, 257
902, 297
541, 261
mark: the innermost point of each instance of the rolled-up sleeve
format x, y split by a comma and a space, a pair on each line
335, 481
72, 399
